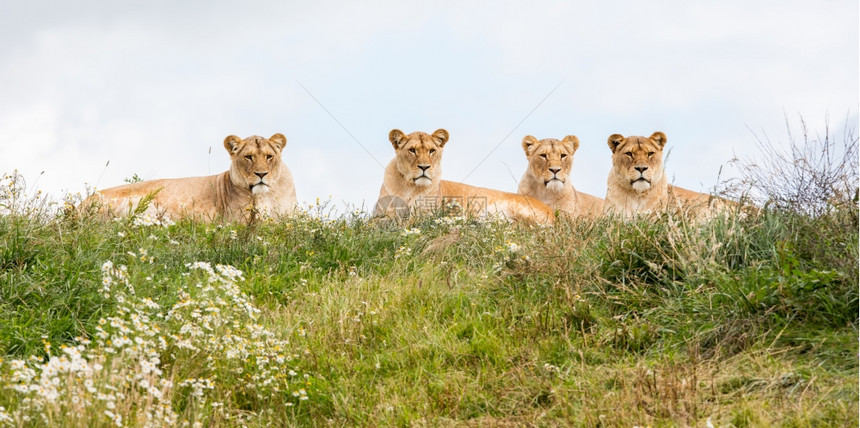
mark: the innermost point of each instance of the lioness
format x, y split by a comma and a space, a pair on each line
413, 178
637, 181
547, 177
257, 183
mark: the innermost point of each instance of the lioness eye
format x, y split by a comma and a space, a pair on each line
543, 155
629, 154
563, 155
650, 154
248, 157
269, 157
412, 151
432, 151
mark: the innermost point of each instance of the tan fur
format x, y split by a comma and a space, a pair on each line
637, 181
547, 177
414, 176
239, 194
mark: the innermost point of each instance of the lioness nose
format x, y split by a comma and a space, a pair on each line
640, 168
261, 174
424, 167
555, 170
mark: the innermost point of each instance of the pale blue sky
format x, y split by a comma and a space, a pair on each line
152, 87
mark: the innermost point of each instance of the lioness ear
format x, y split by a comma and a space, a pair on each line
660, 138
614, 141
231, 143
573, 141
279, 140
396, 137
528, 141
441, 137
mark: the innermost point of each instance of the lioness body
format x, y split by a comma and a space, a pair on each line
258, 183
414, 177
547, 177
637, 181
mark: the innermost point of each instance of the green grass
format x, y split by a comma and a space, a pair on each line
744, 320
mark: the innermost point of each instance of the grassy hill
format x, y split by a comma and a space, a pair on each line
746, 320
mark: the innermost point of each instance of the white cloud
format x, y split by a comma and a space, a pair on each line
153, 86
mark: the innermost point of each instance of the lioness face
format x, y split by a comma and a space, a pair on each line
255, 160
637, 160
550, 160
418, 154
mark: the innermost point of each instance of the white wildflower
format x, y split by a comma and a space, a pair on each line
411, 231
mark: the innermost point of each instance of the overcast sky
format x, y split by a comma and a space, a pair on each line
153, 87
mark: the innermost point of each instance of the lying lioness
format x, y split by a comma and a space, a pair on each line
637, 181
413, 178
547, 177
258, 183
